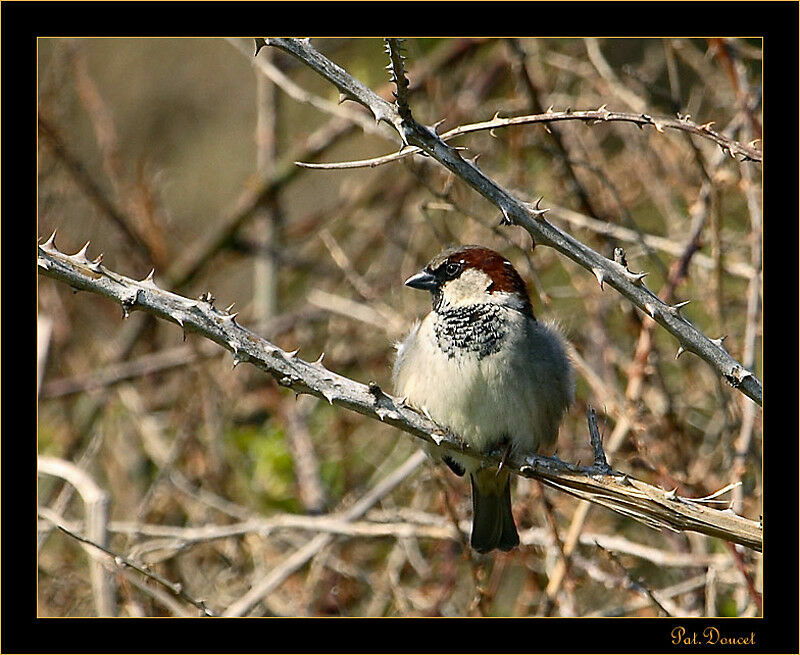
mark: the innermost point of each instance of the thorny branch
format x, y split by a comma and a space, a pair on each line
589, 116
531, 217
619, 492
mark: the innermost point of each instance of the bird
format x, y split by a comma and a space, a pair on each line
482, 366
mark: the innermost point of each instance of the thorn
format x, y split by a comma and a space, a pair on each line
506, 219
549, 110
318, 362
384, 413
600, 274
260, 43
546, 128
651, 309
96, 264
719, 340
636, 278
739, 373
328, 395
707, 126
50, 244
81, 254
659, 127
670, 494
128, 303
436, 125
681, 350
536, 211
228, 309
230, 317
676, 308
148, 280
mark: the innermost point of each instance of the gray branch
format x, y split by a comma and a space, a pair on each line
531, 218
588, 116
598, 484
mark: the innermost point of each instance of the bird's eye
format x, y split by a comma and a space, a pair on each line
452, 269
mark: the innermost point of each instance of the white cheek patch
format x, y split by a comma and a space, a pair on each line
467, 288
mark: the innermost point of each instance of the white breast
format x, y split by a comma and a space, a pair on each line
519, 392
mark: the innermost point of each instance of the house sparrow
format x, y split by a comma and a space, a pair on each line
481, 365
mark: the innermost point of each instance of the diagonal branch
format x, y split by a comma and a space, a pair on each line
531, 218
598, 484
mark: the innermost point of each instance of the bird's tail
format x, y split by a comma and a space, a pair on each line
492, 521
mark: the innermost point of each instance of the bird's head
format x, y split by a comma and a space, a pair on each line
470, 275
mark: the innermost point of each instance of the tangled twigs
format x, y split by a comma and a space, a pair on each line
532, 219
643, 502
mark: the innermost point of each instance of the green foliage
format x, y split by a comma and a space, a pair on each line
263, 466
726, 606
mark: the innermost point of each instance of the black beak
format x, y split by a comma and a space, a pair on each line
423, 280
